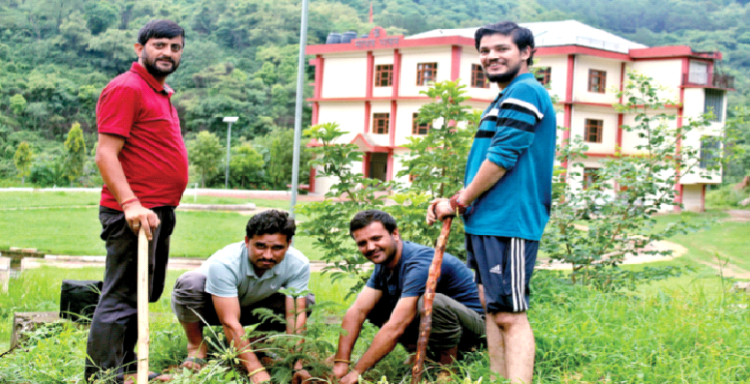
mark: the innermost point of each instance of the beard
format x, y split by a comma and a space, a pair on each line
154, 70
506, 77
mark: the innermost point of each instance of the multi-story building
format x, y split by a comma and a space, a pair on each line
371, 85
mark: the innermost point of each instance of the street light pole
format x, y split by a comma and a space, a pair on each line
228, 120
298, 107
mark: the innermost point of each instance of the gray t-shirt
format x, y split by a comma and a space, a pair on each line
229, 273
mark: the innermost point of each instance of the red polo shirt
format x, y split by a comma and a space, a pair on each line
136, 107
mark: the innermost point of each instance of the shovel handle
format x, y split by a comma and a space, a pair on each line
425, 324
143, 340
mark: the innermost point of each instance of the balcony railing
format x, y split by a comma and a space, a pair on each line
722, 81
717, 80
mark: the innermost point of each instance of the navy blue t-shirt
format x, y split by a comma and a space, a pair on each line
410, 277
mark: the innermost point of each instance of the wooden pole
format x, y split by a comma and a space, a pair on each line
142, 307
425, 325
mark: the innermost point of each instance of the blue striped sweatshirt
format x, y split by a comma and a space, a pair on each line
517, 132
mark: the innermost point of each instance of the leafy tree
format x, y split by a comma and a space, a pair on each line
618, 203
22, 159
245, 166
100, 16
437, 161
75, 148
205, 154
352, 192
278, 155
18, 104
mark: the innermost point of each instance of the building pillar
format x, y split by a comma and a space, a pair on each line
392, 124
568, 104
313, 172
368, 113
389, 172
366, 164
456, 51
396, 72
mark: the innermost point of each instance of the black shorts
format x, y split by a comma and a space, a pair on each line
503, 265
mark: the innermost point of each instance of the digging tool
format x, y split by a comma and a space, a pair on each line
429, 295
142, 307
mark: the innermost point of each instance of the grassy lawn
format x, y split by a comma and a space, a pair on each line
9, 200
685, 330
38, 290
688, 329
70, 229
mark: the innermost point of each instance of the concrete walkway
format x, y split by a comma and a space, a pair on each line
175, 263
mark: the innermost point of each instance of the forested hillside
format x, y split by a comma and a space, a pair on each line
240, 55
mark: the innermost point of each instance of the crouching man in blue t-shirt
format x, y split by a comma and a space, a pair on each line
240, 278
394, 293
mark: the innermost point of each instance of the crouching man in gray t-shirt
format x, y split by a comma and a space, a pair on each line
240, 278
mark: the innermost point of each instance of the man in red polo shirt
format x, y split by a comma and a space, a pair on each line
143, 161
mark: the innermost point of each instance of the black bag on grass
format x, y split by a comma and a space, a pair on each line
78, 299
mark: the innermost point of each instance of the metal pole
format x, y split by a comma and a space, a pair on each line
226, 173
298, 110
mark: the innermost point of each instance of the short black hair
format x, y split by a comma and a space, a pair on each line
158, 29
271, 222
522, 37
365, 218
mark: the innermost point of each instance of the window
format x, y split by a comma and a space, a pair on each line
715, 103
416, 127
597, 80
426, 72
593, 131
384, 75
380, 122
543, 75
710, 155
698, 72
478, 79
590, 177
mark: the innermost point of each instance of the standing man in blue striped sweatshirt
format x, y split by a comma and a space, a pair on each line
507, 197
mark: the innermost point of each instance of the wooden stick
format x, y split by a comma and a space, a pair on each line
142, 307
425, 325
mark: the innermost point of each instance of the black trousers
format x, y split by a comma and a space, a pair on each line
114, 327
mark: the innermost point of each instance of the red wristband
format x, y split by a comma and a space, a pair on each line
456, 205
128, 201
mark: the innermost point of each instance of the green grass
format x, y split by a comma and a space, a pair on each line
14, 200
685, 330
38, 290
73, 230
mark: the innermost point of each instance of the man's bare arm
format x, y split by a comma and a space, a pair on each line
488, 175
109, 165
228, 311
352, 325
387, 338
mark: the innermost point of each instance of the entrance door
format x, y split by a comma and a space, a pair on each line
379, 166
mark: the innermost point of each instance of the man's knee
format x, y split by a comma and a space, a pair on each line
189, 297
507, 320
